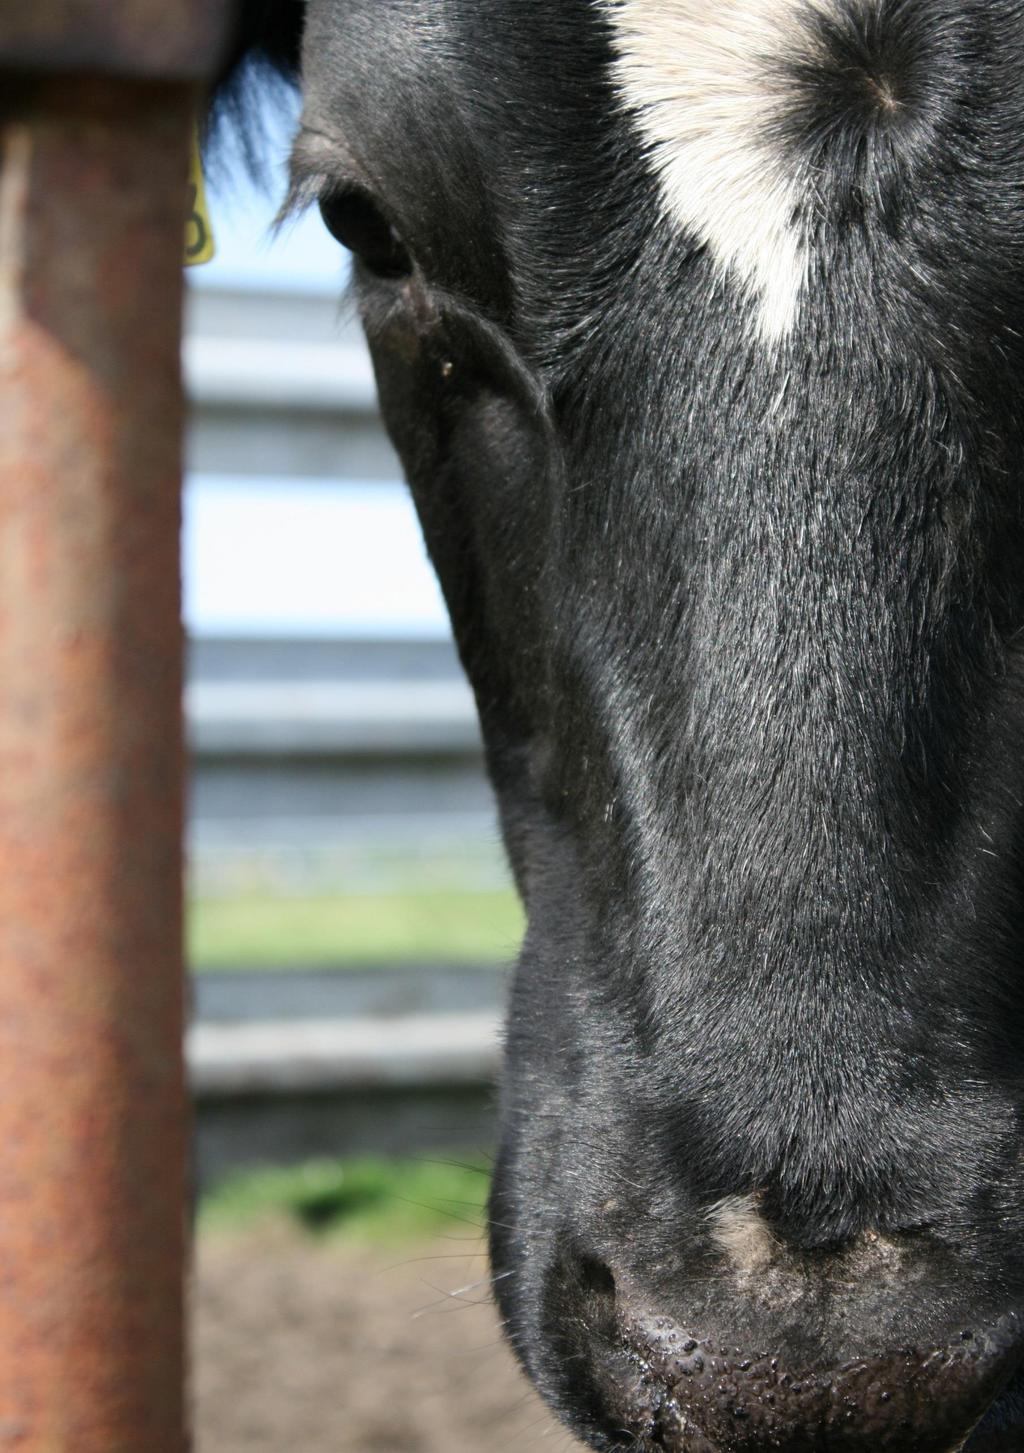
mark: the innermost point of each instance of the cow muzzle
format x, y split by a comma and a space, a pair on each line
633, 1377
677, 1393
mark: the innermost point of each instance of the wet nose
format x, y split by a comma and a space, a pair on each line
693, 1395
649, 1382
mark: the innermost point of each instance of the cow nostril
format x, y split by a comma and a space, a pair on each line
582, 1329
581, 1295
596, 1278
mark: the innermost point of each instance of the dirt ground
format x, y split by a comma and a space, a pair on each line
304, 1346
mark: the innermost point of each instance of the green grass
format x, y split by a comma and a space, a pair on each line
368, 1200
438, 925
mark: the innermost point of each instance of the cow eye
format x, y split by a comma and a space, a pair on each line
355, 221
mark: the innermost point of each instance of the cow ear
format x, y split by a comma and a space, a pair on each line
261, 66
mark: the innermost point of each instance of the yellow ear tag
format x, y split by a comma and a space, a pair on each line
198, 232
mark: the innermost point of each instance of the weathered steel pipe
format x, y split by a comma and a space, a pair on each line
92, 1105
93, 1125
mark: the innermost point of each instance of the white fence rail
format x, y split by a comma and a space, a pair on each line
296, 745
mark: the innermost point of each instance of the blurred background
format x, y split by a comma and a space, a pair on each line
350, 916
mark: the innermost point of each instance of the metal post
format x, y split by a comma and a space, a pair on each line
93, 1125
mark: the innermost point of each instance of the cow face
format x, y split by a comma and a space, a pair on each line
699, 333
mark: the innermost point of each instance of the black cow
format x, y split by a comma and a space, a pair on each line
698, 328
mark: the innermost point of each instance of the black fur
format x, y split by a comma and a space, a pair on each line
744, 628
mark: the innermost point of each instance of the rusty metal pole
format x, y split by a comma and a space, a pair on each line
96, 104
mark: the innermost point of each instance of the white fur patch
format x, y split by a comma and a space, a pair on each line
738, 1228
706, 80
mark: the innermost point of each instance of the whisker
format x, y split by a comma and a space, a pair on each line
440, 1209
438, 1256
459, 1295
522, 1432
456, 1164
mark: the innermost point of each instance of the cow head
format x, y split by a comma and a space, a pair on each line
699, 331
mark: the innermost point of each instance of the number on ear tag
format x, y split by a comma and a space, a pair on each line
198, 233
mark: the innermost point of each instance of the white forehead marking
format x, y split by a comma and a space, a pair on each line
706, 80
738, 1228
